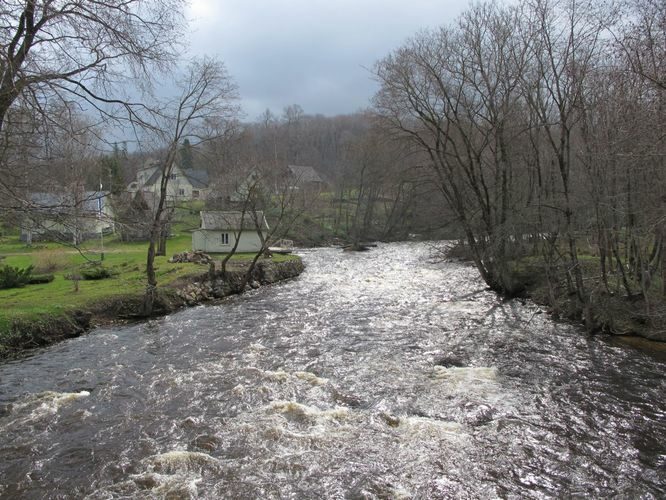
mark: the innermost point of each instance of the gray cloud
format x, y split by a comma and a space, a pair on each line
313, 53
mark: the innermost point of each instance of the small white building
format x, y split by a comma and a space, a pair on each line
220, 230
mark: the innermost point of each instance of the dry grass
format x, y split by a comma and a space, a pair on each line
50, 260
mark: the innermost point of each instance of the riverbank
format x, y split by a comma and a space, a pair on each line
603, 312
21, 334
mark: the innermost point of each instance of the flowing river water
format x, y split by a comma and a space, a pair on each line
374, 375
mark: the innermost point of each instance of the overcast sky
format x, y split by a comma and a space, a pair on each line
314, 53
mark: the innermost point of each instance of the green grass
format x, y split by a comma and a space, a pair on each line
126, 260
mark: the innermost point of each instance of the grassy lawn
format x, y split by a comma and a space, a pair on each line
127, 262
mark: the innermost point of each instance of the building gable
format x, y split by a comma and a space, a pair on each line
232, 221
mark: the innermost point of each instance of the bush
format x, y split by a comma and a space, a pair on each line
14, 277
96, 272
39, 279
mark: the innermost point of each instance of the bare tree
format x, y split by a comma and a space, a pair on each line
539, 127
279, 203
207, 97
641, 38
454, 95
55, 52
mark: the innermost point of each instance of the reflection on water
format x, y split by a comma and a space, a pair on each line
374, 375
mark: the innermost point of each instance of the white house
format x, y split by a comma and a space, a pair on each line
219, 232
74, 216
184, 184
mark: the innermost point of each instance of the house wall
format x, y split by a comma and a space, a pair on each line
179, 187
211, 241
50, 230
88, 225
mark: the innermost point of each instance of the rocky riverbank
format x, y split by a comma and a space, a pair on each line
603, 312
188, 291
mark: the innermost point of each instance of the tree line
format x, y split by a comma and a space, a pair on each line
542, 122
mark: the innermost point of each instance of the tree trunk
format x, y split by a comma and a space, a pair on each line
151, 286
162, 243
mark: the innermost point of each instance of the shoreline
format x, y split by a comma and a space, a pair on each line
188, 291
611, 315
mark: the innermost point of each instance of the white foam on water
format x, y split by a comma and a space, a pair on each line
85, 414
465, 376
172, 462
191, 421
277, 376
337, 414
284, 376
399, 493
311, 378
48, 402
257, 347
420, 428
166, 486
151, 485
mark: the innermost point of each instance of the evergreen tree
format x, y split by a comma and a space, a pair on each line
112, 177
186, 160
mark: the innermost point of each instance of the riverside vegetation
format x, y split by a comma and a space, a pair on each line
605, 310
542, 124
85, 290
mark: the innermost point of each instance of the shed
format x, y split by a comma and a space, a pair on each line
304, 177
219, 231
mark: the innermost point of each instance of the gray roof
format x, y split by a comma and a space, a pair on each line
304, 174
87, 201
198, 178
232, 221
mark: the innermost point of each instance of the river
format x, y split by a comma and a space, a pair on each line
373, 375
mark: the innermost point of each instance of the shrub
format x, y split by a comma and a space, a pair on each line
14, 277
38, 279
96, 272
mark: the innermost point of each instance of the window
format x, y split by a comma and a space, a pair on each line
225, 238
181, 192
195, 193
173, 176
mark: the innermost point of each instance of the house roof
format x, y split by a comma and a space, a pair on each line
304, 174
232, 221
197, 178
87, 201
144, 200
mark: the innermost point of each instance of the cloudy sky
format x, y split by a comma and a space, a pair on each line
314, 53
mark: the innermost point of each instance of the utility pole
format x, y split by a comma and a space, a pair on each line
99, 215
